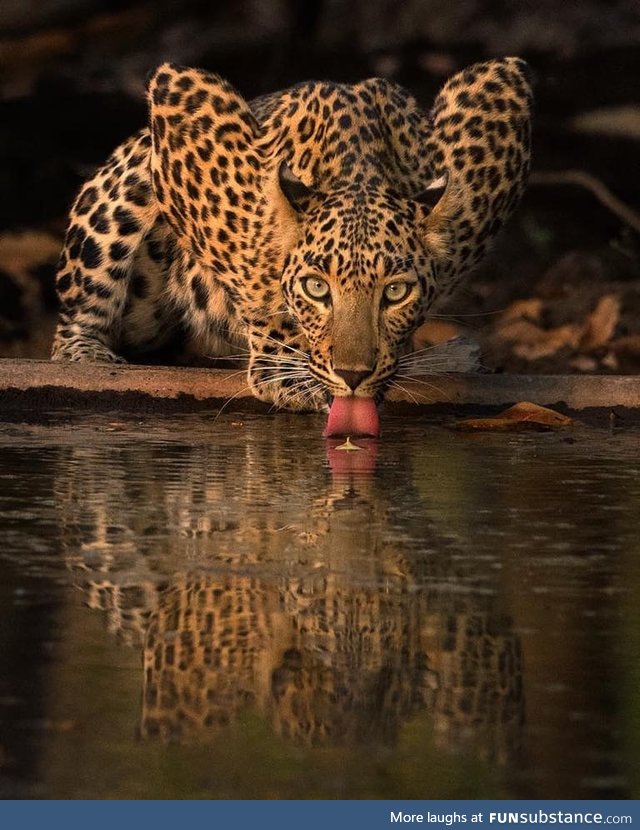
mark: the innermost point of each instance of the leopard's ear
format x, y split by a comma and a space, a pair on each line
294, 189
206, 167
480, 133
435, 205
433, 192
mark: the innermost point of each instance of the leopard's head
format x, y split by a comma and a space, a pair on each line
359, 277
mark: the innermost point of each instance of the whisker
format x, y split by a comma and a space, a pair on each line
423, 382
404, 390
427, 359
230, 400
282, 345
420, 351
460, 353
274, 360
234, 356
445, 345
282, 373
280, 377
425, 356
235, 374
311, 392
295, 390
277, 379
418, 377
425, 366
270, 358
469, 314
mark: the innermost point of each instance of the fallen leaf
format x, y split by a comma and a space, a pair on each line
520, 331
549, 342
531, 309
434, 332
521, 417
610, 361
601, 323
584, 363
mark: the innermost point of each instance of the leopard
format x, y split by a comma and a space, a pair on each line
306, 233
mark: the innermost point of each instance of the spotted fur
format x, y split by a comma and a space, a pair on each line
223, 223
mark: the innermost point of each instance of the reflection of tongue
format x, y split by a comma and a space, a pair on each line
352, 416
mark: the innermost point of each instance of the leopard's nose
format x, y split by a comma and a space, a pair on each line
352, 378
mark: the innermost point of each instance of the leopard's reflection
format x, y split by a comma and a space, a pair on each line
254, 580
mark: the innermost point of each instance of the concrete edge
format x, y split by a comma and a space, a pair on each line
46, 385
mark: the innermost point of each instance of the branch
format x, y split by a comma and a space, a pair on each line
599, 190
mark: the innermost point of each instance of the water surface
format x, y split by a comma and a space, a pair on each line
224, 608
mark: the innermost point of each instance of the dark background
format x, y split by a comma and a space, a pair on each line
72, 86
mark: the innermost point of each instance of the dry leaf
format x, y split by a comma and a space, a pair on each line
550, 342
521, 331
584, 363
434, 332
601, 323
531, 309
522, 417
532, 342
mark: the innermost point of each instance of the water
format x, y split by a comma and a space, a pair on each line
200, 609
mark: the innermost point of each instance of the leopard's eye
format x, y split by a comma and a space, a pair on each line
395, 292
316, 288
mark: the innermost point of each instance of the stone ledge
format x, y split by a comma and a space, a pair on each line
45, 385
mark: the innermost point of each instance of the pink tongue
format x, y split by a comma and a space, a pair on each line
352, 416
